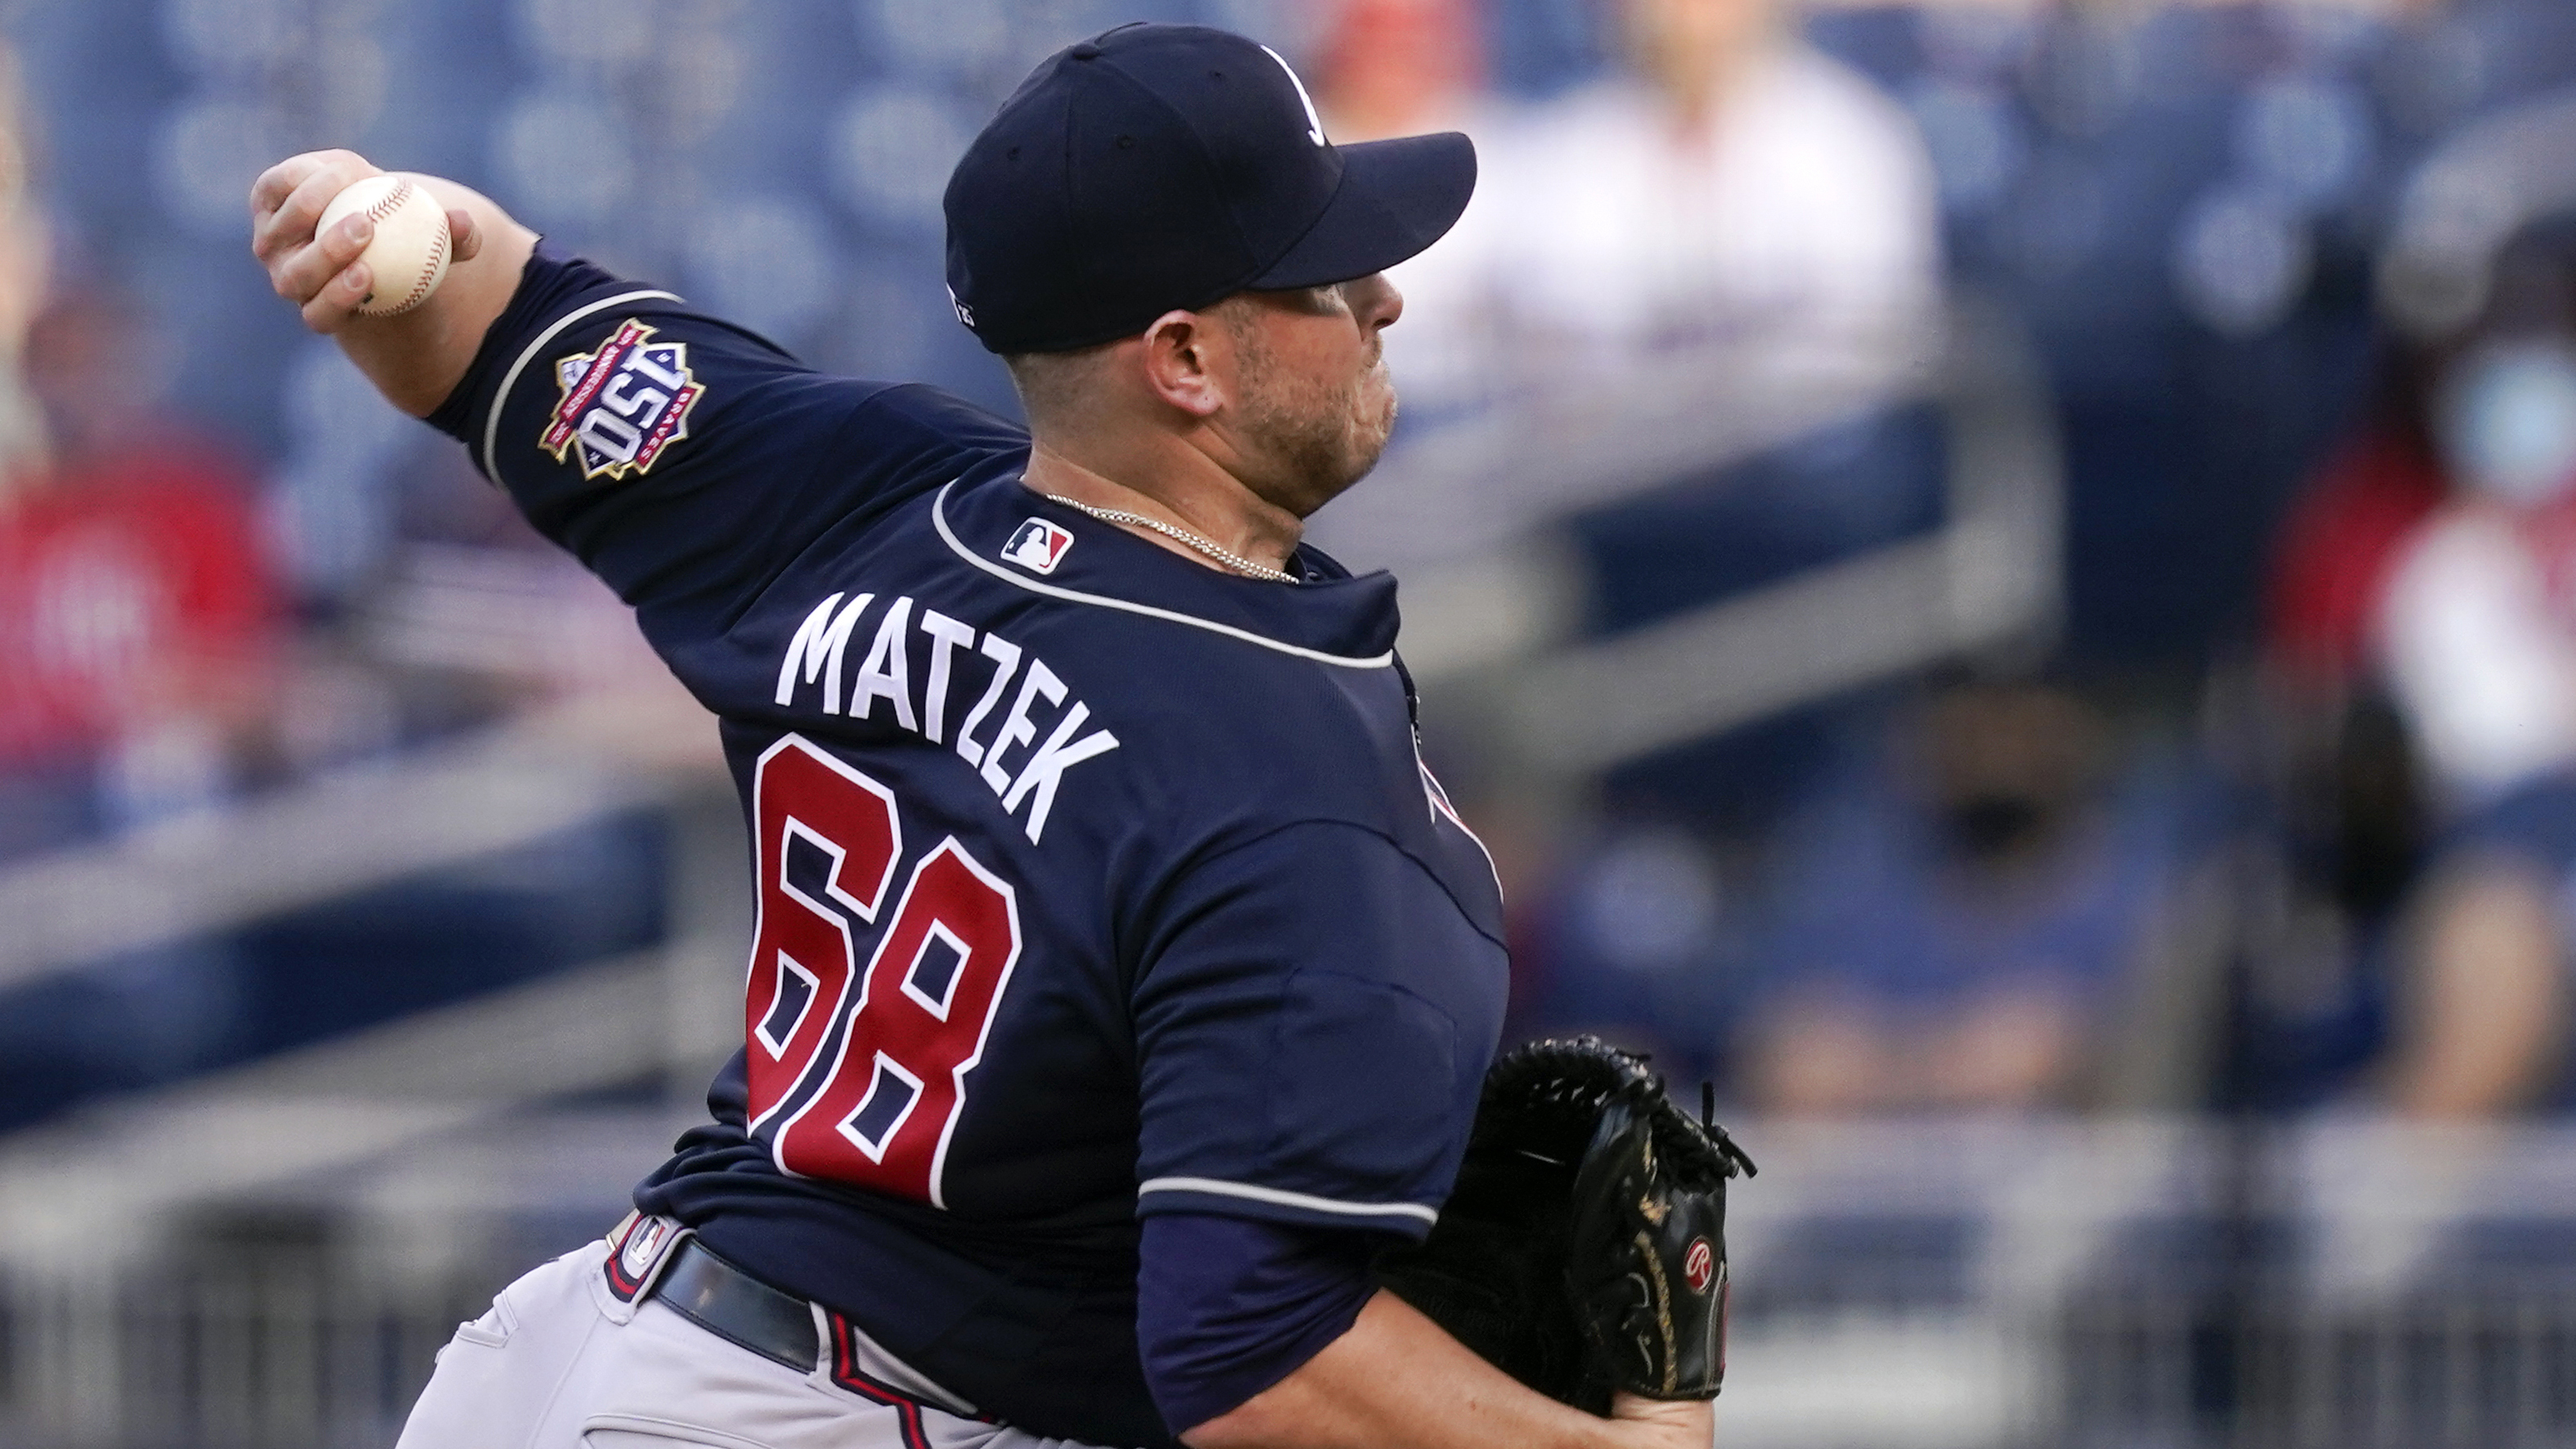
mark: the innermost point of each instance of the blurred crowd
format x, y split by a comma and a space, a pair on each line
188, 626
2278, 814
2281, 817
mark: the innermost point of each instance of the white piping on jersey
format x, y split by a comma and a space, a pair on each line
939, 519
1220, 1188
510, 379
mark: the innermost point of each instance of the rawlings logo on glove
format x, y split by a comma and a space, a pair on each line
1583, 1250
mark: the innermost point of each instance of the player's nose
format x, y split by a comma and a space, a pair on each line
1374, 301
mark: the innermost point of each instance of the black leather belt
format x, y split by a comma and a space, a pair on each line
738, 1308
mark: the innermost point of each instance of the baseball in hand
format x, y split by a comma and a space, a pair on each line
408, 258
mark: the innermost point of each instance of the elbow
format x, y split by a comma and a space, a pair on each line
418, 401
1225, 1431
1259, 1422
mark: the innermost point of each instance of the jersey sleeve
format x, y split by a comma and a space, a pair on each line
680, 456
1314, 1020
1228, 1306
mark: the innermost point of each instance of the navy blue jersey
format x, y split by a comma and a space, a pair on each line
1093, 883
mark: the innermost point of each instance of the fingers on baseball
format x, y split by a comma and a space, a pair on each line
289, 197
331, 307
308, 272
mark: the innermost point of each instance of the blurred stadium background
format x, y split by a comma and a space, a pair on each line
2000, 575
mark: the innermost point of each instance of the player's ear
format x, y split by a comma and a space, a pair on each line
1189, 362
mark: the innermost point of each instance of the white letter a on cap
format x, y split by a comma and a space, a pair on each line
1314, 123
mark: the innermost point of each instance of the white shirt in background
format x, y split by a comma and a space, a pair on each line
1798, 218
2479, 655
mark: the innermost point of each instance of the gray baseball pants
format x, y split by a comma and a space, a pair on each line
560, 1362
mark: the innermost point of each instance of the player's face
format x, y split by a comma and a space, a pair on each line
1316, 402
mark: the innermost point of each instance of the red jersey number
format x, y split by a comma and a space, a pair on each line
859, 1076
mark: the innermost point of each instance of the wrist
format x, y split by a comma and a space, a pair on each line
1641, 1423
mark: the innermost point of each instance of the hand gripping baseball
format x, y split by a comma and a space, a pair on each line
1583, 1250
320, 270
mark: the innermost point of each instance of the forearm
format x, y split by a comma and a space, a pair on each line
1397, 1381
417, 358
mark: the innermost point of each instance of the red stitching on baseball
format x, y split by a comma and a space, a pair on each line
392, 202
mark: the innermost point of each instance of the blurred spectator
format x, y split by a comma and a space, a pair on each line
2480, 644
138, 618
1960, 924
2478, 622
1398, 68
147, 666
2439, 555
1735, 192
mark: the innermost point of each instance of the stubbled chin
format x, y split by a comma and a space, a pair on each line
1370, 421
1368, 440
1378, 429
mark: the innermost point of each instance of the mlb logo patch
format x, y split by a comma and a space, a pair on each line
1038, 546
642, 1245
637, 1252
622, 406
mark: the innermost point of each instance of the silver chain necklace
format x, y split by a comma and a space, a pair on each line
1227, 557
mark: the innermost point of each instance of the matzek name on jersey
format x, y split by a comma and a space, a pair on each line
924, 667
624, 405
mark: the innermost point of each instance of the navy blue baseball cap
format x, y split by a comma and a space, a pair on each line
1171, 166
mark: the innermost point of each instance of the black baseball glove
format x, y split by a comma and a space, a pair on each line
1583, 1250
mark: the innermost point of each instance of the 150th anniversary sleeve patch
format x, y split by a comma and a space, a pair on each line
623, 405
